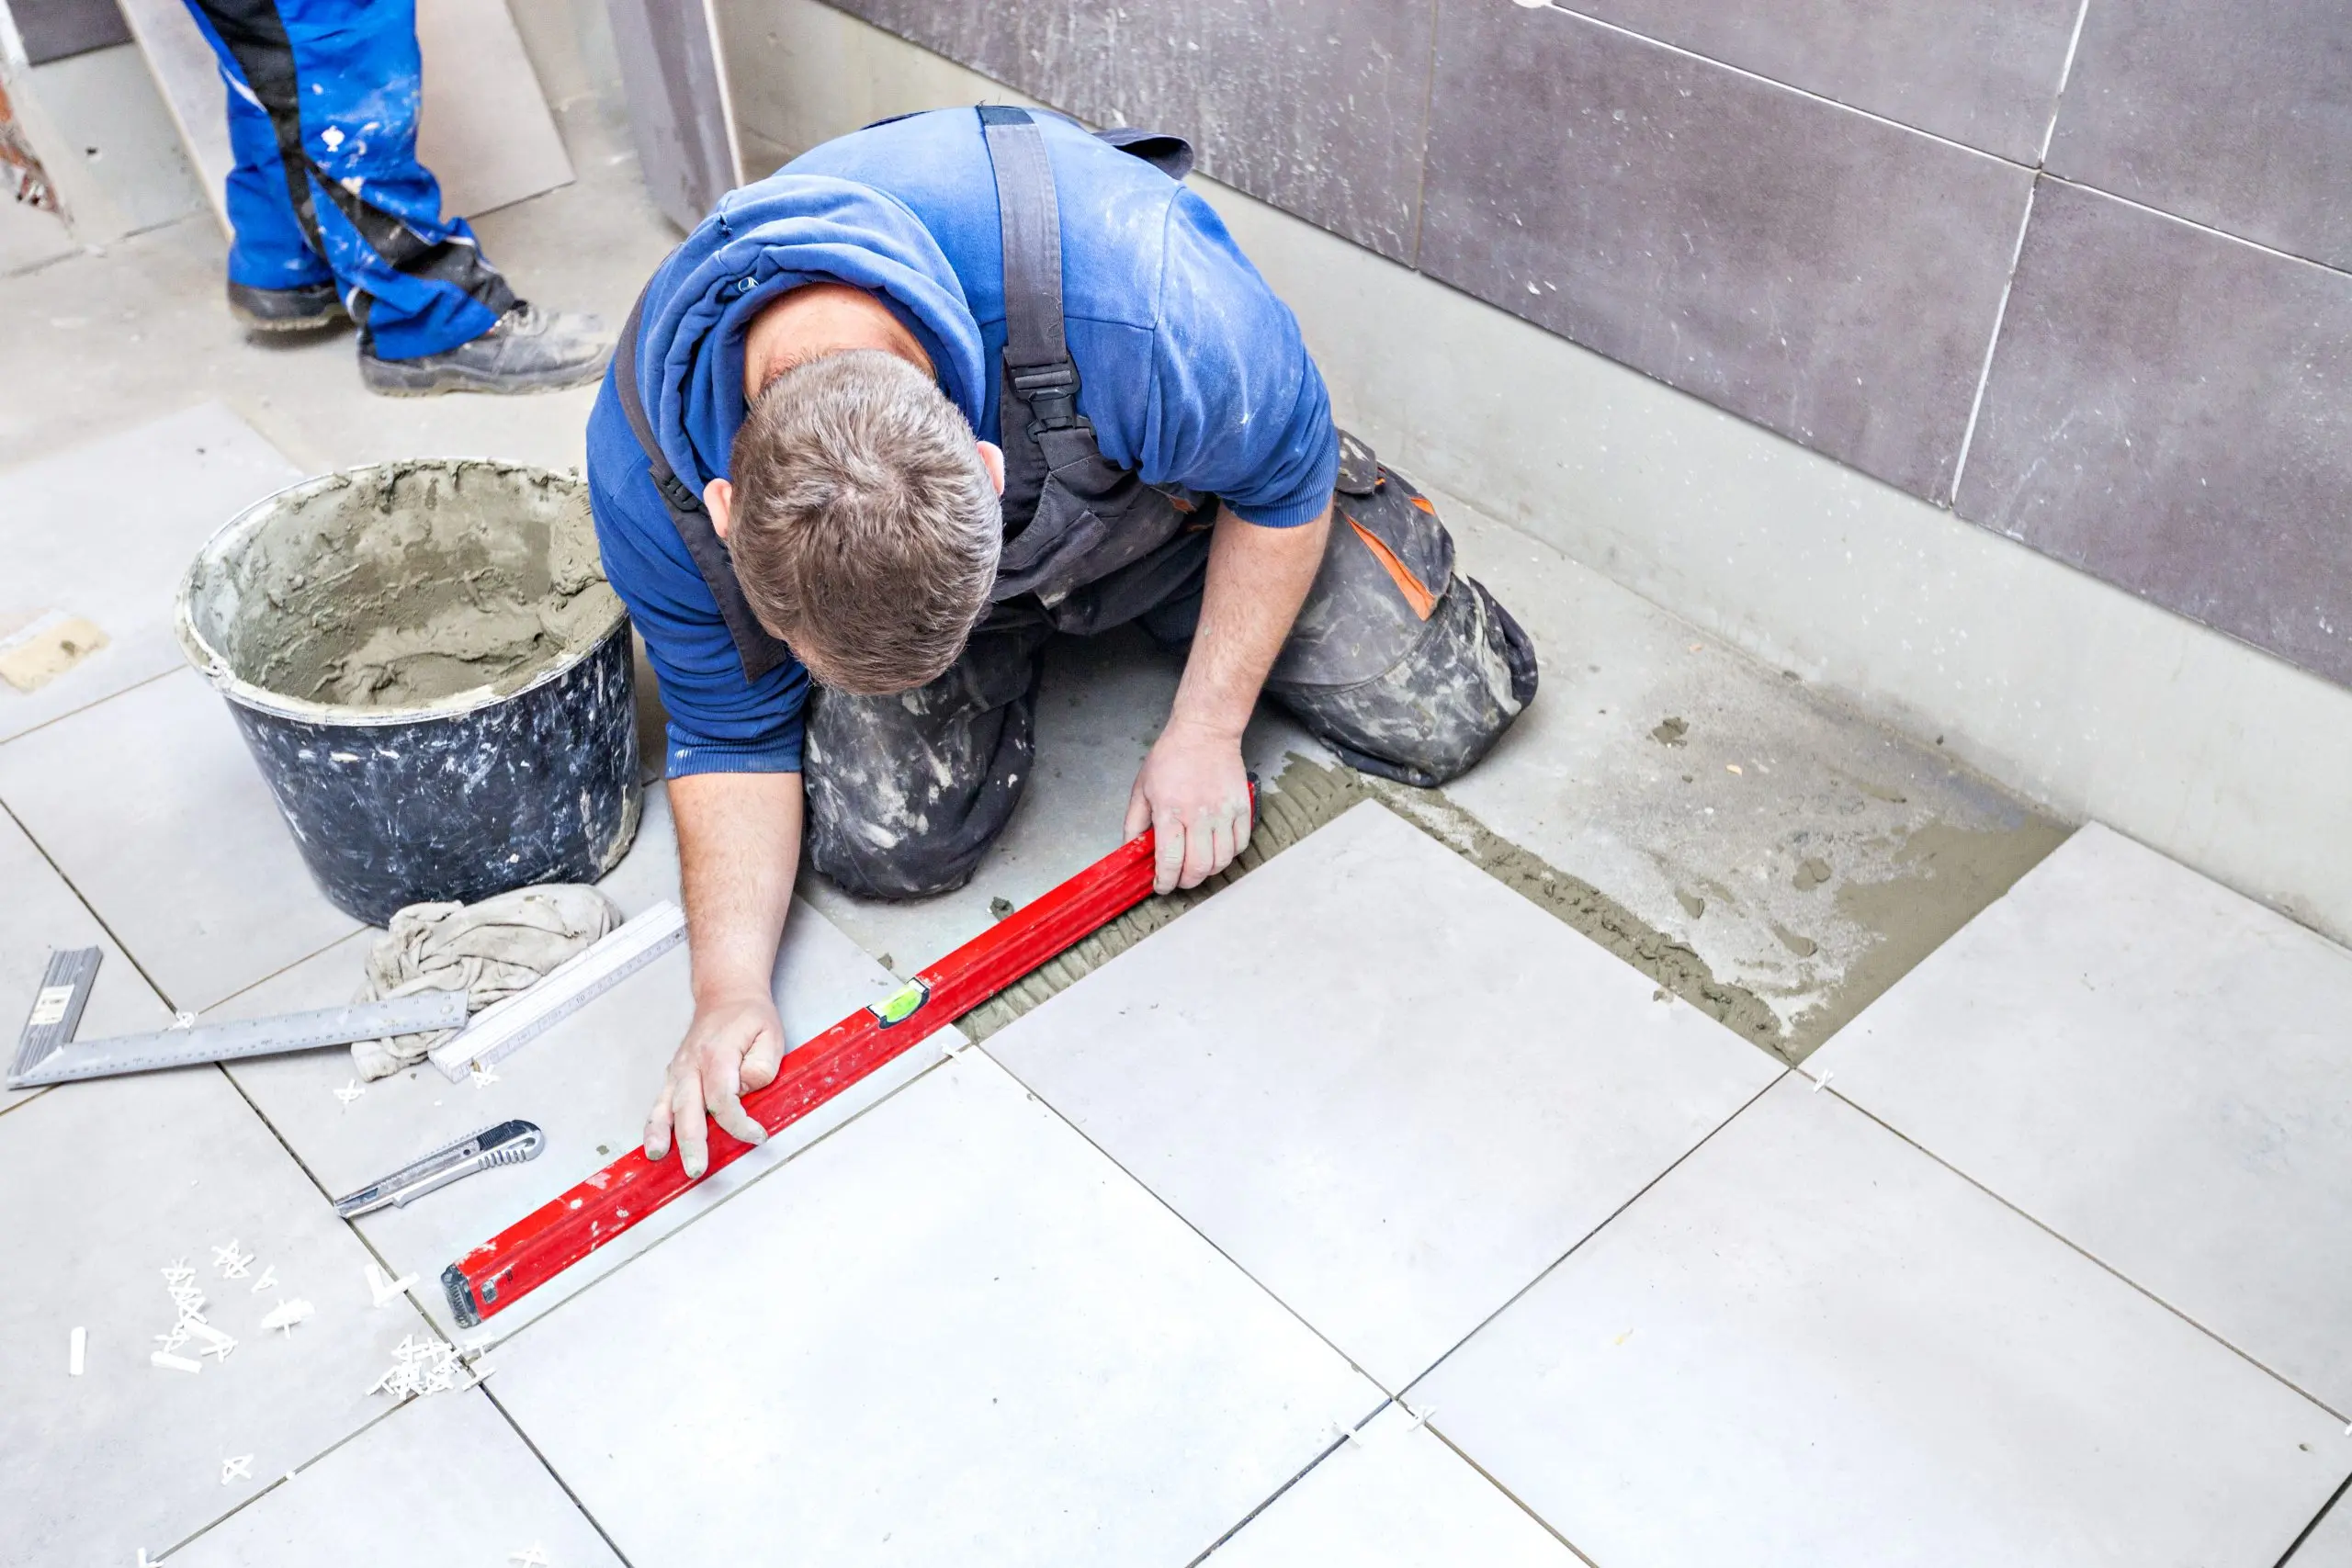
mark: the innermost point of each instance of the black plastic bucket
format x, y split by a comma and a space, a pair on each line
435, 677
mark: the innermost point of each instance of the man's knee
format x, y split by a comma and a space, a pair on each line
897, 810
1403, 667
1438, 708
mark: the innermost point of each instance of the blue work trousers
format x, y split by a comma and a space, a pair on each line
322, 112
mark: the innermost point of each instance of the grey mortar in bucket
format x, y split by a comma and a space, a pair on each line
433, 674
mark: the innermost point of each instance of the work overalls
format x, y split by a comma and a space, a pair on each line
1402, 668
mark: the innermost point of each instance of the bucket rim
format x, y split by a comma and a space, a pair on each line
209, 662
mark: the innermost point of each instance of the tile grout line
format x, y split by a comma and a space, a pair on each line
2257, 246
1275, 1495
1992, 346
1608, 1220
2317, 1519
148, 980
290, 965
2084, 1253
1150, 1192
1319, 1460
1494, 1480
697, 1219
2065, 76
140, 684
1758, 76
1421, 178
553, 1475
275, 1481
128, 956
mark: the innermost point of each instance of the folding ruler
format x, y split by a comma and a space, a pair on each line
502, 1027
566, 1228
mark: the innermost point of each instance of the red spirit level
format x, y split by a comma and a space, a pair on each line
560, 1233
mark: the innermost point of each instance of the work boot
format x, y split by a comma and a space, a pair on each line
286, 310
527, 351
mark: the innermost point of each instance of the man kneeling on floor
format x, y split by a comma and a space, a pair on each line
893, 418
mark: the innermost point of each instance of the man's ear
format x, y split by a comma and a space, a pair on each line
718, 498
992, 460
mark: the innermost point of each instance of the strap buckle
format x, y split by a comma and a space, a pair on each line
1051, 392
673, 491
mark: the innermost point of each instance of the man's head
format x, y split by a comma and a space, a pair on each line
862, 519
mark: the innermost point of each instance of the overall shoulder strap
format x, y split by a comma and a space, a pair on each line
1036, 357
1171, 155
758, 651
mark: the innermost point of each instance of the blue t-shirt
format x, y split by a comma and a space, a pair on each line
1192, 371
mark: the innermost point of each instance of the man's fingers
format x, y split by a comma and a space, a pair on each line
722, 1084
760, 1062
1138, 811
728, 1112
657, 1128
1241, 826
1200, 849
694, 1139
1168, 851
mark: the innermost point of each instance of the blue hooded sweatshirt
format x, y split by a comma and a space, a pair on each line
1192, 371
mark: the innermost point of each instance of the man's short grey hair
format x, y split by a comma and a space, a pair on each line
864, 527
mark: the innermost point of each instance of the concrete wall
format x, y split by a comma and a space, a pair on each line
2084, 696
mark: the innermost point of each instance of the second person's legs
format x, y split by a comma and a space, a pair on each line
336, 85
324, 99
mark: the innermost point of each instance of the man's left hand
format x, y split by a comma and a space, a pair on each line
1195, 794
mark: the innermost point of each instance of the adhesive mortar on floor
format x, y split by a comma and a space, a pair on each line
1308, 794
1951, 874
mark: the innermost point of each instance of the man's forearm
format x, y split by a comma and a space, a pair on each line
739, 851
1257, 580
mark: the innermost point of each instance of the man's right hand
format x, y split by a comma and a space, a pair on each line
733, 1045
738, 847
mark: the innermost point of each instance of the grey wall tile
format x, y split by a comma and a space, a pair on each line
2238, 116
2172, 410
1982, 72
1316, 106
1829, 275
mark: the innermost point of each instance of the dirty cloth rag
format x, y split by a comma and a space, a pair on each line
490, 951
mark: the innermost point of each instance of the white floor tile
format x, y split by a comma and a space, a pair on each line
954, 1333
1812, 1345
441, 1483
107, 530
40, 913
587, 1083
1387, 1085
2156, 1068
106, 1183
1397, 1497
155, 810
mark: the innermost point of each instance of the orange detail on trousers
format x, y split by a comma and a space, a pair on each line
1417, 593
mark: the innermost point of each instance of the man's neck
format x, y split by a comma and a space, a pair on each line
817, 320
